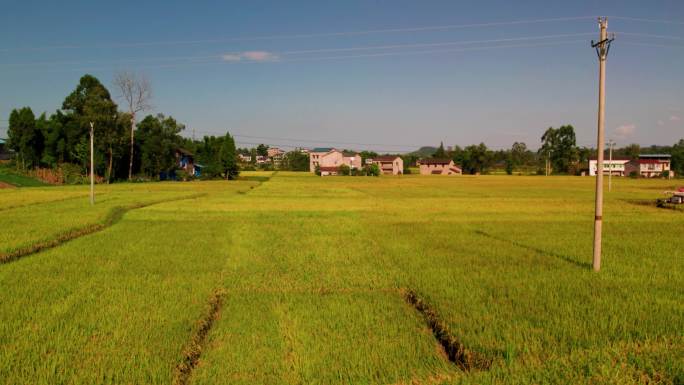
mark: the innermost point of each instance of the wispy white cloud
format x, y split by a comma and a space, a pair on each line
675, 118
661, 123
624, 131
231, 57
257, 56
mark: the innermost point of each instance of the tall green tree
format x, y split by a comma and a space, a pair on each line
296, 161
440, 153
560, 144
633, 151
92, 102
262, 150
158, 138
519, 154
476, 159
228, 157
678, 158
25, 138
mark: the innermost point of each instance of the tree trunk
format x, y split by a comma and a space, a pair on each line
109, 166
130, 164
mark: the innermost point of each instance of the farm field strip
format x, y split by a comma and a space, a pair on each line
112, 217
32, 228
9, 202
92, 314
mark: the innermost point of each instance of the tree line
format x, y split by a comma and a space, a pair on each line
558, 147
123, 147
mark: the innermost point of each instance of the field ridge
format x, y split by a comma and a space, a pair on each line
193, 351
456, 352
115, 214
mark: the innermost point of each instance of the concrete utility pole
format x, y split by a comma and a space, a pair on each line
548, 162
610, 165
602, 48
92, 165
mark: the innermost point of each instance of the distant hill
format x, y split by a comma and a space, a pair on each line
424, 152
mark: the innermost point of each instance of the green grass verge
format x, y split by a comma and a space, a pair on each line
9, 176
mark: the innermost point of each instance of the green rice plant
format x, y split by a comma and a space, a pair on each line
311, 272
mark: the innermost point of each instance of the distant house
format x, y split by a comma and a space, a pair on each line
260, 159
617, 166
276, 154
439, 167
4, 151
651, 165
244, 158
647, 166
328, 160
186, 161
391, 165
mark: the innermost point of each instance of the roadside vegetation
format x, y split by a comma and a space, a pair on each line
11, 178
313, 275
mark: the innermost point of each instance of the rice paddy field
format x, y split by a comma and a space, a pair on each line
289, 278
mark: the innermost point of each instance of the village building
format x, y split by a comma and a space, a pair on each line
4, 151
260, 159
390, 165
647, 166
328, 160
652, 165
186, 161
439, 167
244, 158
616, 167
276, 154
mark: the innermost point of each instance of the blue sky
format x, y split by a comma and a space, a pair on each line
392, 74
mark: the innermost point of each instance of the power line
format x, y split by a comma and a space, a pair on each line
670, 37
297, 59
654, 45
648, 20
320, 50
301, 36
423, 52
323, 141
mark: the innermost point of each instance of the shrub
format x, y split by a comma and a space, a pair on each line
373, 170
633, 174
184, 175
72, 174
344, 170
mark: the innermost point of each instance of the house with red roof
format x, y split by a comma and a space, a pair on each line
647, 166
389, 164
652, 165
432, 166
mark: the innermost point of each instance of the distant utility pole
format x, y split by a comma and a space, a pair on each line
92, 166
602, 48
548, 162
610, 165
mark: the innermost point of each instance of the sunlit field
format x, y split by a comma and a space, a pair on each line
289, 278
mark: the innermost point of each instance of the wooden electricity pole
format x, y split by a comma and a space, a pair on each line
602, 48
92, 165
